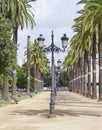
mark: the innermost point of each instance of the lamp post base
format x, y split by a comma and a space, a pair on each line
51, 115
52, 111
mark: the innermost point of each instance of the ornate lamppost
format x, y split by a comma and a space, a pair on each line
53, 48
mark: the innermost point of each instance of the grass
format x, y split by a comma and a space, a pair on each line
20, 97
3, 103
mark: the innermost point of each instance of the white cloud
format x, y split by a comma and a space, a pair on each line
55, 12
50, 14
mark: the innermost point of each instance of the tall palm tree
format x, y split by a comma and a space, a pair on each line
34, 55
91, 26
81, 42
95, 7
20, 12
39, 60
90, 29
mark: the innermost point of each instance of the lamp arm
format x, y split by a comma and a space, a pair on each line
55, 49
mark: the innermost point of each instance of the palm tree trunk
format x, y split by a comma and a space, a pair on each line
79, 76
42, 79
15, 34
28, 65
5, 88
94, 67
35, 75
70, 80
100, 64
39, 79
82, 75
73, 81
85, 75
89, 76
38, 83
76, 80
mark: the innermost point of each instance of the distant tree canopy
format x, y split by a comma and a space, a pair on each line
63, 79
21, 77
7, 48
47, 80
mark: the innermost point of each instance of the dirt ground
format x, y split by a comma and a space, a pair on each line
73, 112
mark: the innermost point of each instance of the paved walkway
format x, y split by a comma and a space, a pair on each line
73, 112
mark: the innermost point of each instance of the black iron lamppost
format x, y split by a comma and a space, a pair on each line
57, 70
59, 63
53, 48
48, 63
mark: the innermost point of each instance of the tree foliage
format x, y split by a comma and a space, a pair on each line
40, 55
19, 11
7, 48
21, 77
63, 79
1, 82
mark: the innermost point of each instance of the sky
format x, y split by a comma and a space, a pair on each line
56, 15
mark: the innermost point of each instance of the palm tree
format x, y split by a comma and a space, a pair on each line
43, 68
86, 39
80, 43
39, 61
18, 11
95, 7
34, 55
90, 30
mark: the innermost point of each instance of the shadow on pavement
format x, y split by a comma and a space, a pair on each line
62, 113
67, 105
